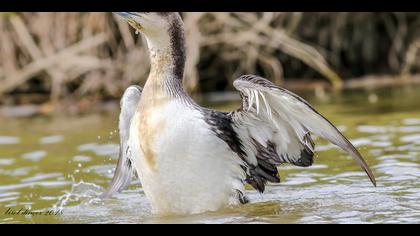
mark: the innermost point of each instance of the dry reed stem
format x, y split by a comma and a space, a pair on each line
220, 47
32, 69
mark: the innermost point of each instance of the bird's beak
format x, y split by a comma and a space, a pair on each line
125, 15
132, 19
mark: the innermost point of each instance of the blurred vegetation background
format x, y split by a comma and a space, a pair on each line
51, 58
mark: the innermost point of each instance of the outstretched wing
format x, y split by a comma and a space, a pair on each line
274, 125
125, 170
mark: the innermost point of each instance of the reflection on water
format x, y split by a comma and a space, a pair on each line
64, 164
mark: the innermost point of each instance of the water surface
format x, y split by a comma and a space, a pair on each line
63, 163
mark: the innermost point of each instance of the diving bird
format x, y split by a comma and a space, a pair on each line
191, 159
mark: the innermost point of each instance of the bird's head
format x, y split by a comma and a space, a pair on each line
151, 24
164, 32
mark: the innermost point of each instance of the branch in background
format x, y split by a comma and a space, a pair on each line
410, 57
55, 75
219, 46
31, 70
260, 33
310, 56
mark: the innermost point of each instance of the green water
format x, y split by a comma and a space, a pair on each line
63, 164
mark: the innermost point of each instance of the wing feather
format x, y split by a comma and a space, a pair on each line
286, 122
124, 171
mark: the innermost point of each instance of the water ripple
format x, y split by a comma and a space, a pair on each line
51, 139
34, 156
7, 140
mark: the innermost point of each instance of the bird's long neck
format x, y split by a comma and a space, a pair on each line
167, 57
